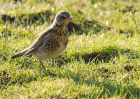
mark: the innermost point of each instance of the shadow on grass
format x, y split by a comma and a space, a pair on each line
8, 78
109, 88
29, 19
129, 9
86, 26
130, 54
105, 55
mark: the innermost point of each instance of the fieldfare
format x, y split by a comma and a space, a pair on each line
52, 42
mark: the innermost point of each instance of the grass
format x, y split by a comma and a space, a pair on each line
102, 58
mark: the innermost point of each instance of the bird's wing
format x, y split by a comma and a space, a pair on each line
39, 41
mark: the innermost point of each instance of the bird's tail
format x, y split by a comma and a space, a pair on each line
19, 54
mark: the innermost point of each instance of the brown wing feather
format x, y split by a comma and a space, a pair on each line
39, 41
36, 44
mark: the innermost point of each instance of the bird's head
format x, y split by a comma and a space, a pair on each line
62, 17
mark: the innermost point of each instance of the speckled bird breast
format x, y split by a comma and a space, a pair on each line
56, 48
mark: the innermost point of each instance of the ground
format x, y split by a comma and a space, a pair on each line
102, 58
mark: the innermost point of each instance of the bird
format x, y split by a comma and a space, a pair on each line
51, 43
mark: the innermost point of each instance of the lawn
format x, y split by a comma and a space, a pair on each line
102, 59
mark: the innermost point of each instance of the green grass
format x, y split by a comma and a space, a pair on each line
102, 59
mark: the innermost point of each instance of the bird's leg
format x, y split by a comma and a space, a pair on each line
40, 61
48, 62
43, 67
45, 71
53, 62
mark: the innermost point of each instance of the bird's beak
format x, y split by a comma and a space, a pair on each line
70, 19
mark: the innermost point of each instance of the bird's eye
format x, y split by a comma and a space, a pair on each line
63, 17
